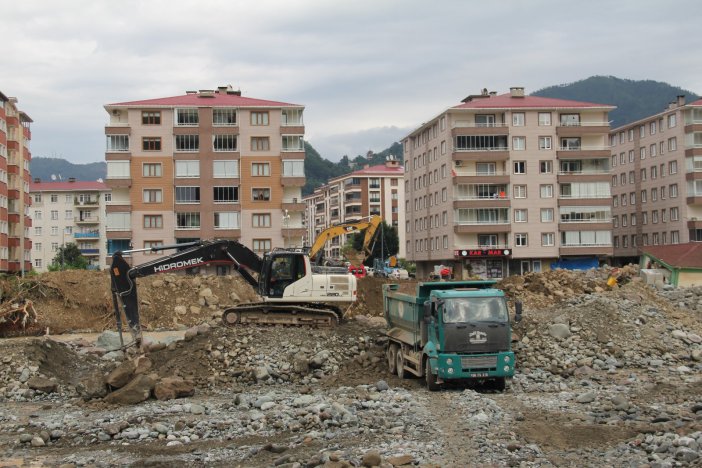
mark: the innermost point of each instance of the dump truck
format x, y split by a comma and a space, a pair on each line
450, 331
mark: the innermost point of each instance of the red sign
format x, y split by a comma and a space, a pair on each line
468, 253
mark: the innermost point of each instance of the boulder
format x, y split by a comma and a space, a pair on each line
371, 458
136, 391
122, 374
42, 384
93, 386
143, 365
559, 331
170, 388
109, 340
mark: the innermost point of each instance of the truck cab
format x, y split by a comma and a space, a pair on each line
450, 331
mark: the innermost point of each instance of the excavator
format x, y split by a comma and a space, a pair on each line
291, 293
369, 224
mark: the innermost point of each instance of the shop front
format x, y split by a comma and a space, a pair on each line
483, 263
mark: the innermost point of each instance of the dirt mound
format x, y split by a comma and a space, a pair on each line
370, 295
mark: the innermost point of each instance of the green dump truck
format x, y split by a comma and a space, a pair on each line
450, 332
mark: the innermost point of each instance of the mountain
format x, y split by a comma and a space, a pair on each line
634, 99
44, 168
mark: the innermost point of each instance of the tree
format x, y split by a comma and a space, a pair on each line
387, 242
68, 257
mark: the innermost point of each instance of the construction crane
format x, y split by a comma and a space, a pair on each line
369, 224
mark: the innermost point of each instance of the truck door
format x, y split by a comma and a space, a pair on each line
433, 325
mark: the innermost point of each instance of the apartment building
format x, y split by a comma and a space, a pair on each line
15, 136
657, 180
206, 164
506, 184
373, 190
69, 212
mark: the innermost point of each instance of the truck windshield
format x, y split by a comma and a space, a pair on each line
475, 309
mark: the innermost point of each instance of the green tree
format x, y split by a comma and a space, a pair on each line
68, 257
387, 242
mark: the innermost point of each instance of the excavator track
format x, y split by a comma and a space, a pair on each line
266, 313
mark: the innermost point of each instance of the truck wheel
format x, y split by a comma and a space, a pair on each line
430, 377
392, 358
230, 317
500, 383
400, 363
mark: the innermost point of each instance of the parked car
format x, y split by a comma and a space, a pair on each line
399, 273
358, 271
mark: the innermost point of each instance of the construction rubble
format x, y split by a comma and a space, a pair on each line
606, 376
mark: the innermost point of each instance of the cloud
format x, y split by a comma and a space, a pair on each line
352, 144
361, 68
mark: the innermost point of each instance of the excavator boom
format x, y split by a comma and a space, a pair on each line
369, 225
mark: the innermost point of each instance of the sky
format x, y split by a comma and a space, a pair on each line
367, 71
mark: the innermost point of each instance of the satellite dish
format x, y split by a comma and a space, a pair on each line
53, 176
99, 179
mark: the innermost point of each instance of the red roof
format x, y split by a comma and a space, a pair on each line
696, 103
677, 255
506, 101
67, 186
215, 100
380, 168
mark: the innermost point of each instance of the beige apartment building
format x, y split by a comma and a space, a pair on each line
15, 223
69, 212
373, 190
206, 164
506, 184
657, 180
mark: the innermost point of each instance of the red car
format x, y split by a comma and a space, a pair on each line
358, 271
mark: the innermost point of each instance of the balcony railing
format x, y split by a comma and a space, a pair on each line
90, 251
584, 124
585, 172
474, 173
592, 220
609, 244
583, 148
482, 149
482, 246
84, 202
87, 219
86, 235
495, 196
582, 197
478, 125
481, 222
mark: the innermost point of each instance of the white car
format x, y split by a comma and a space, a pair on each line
399, 273
370, 271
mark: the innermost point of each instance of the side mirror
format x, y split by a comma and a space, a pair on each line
518, 311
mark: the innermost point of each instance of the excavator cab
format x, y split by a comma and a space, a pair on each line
281, 269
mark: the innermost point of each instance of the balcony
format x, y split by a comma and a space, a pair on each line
469, 176
694, 198
118, 128
95, 202
583, 152
118, 182
473, 129
89, 252
293, 205
87, 219
486, 227
86, 235
485, 154
292, 180
586, 249
584, 175
694, 223
481, 202
576, 129
119, 233
589, 224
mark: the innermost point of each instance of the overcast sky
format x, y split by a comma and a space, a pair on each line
368, 71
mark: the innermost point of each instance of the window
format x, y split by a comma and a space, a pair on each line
654, 216
518, 119
673, 167
118, 170
151, 143
615, 221
224, 142
151, 170
614, 160
259, 118
54, 214
150, 244
445, 242
644, 217
652, 150
226, 220
520, 167
642, 131
548, 239
622, 158
108, 197
444, 218
672, 144
153, 221
654, 172
187, 143
187, 168
632, 177
37, 198
674, 214
226, 194
520, 191
187, 220
652, 128
260, 169
38, 262
544, 119
544, 142
520, 240
519, 143
261, 220
443, 147
642, 174
68, 214
54, 246
672, 121
570, 144
654, 194
625, 241
546, 215
570, 120
261, 194
54, 198
261, 246
54, 230
117, 143
225, 169
223, 117
631, 156
520, 216
37, 231
444, 194
37, 246
260, 143
642, 152
296, 168
187, 117
293, 143
673, 190
187, 194
631, 134
644, 197
546, 191
152, 196
443, 172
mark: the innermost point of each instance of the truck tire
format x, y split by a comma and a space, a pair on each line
500, 383
429, 377
400, 363
392, 358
